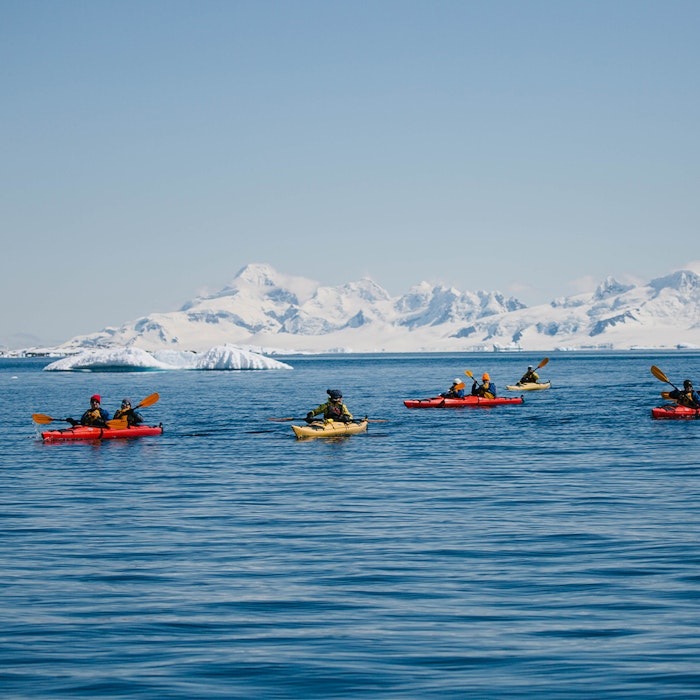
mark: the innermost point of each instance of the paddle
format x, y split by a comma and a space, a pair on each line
369, 420
470, 375
662, 377
43, 419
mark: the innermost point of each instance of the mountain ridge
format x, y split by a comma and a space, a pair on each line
277, 312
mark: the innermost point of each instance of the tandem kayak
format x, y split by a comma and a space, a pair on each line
529, 386
441, 402
84, 432
319, 429
675, 411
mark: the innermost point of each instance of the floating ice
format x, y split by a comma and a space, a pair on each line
224, 357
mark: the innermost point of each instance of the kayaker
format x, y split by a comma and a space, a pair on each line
487, 389
95, 415
529, 377
126, 411
688, 397
456, 391
333, 409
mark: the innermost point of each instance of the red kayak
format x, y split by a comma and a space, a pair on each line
675, 411
84, 432
441, 402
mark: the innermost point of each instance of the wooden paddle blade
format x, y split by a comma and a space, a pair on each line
148, 401
42, 418
659, 374
543, 363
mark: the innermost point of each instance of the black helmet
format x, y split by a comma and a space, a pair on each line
687, 384
335, 394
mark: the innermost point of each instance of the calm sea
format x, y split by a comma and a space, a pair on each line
544, 550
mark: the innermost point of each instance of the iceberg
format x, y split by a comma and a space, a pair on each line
220, 357
224, 357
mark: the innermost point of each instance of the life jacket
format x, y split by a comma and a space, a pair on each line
93, 416
484, 390
685, 398
333, 411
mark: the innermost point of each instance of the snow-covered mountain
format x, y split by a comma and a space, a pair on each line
262, 308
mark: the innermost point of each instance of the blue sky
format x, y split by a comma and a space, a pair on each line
151, 149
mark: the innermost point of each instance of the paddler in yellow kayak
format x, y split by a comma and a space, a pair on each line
334, 409
529, 377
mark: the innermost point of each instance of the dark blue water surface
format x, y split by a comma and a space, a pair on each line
549, 549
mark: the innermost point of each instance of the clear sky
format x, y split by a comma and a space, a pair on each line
150, 149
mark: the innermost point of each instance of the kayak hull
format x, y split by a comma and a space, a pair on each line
84, 432
329, 429
476, 401
675, 412
529, 386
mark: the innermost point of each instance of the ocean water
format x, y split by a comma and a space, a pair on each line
548, 549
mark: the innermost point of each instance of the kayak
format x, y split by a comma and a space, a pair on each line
441, 402
529, 386
675, 411
319, 429
84, 432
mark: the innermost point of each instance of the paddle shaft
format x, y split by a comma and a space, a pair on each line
369, 420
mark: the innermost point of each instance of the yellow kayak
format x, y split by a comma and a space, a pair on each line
329, 429
529, 386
